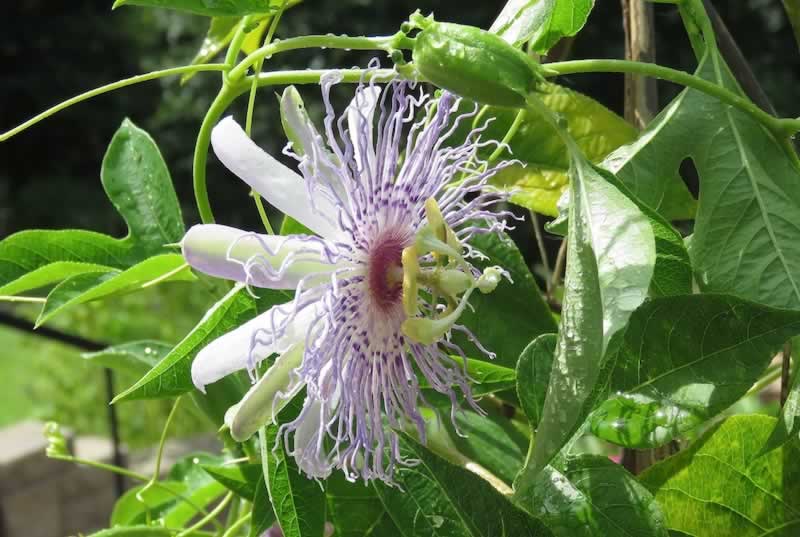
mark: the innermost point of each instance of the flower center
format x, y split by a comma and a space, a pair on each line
386, 270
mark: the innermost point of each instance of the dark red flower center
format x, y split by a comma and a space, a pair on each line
386, 270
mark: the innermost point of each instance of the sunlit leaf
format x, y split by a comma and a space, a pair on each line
543, 22
720, 486
541, 177
610, 260
91, 286
132, 507
683, 360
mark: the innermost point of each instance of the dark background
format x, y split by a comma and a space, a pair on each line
51, 50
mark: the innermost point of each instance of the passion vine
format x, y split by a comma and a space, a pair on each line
386, 363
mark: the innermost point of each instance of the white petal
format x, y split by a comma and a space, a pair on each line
360, 115
279, 185
309, 450
272, 261
231, 352
259, 406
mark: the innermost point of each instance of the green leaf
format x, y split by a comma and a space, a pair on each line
298, 502
745, 232
137, 182
672, 273
590, 496
219, 34
132, 506
541, 178
353, 508
172, 375
215, 8
788, 426
201, 489
135, 357
610, 260
263, 515
543, 22
683, 360
487, 376
241, 479
97, 285
439, 499
533, 376
513, 314
720, 486
290, 226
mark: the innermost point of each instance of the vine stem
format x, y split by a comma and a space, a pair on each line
782, 128
314, 41
111, 87
231, 531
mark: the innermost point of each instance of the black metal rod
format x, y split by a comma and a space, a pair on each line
84, 344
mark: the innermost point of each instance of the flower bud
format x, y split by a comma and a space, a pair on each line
473, 63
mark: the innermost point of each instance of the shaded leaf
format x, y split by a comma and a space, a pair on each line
263, 515
543, 22
590, 496
353, 508
241, 479
610, 259
684, 359
788, 425
131, 508
136, 357
720, 486
96, 285
513, 314
533, 376
439, 499
201, 489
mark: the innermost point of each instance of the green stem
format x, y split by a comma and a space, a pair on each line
209, 517
224, 98
238, 524
772, 374
111, 87
314, 41
781, 127
248, 125
512, 130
